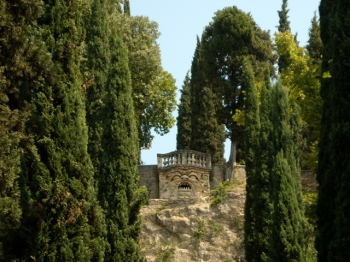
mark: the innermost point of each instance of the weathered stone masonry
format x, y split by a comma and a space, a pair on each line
182, 174
188, 174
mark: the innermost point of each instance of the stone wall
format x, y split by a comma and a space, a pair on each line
217, 175
149, 178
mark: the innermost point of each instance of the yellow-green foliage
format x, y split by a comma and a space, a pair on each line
302, 79
166, 254
219, 192
198, 234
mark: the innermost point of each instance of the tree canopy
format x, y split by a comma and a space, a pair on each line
230, 38
154, 90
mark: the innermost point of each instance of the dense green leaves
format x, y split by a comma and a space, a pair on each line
231, 37
209, 136
287, 241
334, 168
183, 138
274, 215
113, 139
154, 89
283, 61
284, 24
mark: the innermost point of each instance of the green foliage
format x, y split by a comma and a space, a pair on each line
288, 223
208, 135
10, 210
215, 227
154, 90
230, 38
113, 136
57, 198
274, 214
284, 24
334, 167
283, 60
257, 214
315, 46
301, 77
165, 254
219, 193
184, 130
198, 234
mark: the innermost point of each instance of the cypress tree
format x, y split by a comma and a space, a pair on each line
14, 27
284, 23
326, 198
333, 176
194, 86
95, 74
252, 128
315, 46
61, 216
283, 26
24, 65
127, 7
113, 137
209, 135
231, 37
287, 239
183, 138
258, 206
118, 191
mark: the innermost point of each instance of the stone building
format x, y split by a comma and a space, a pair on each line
182, 174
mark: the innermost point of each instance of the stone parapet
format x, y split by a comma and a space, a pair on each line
184, 158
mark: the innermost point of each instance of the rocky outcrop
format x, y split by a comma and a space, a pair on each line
194, 230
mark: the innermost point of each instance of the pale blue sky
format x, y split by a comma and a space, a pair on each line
180, 21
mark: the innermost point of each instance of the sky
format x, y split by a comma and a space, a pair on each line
180, 21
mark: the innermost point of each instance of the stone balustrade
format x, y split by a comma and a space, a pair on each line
184, 158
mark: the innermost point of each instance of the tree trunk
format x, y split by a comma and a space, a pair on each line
231, 162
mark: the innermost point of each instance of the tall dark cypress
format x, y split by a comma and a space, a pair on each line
258, 206
252, 128
61, 217
326, 198
207, 133
283, 26
113, 140
333, 176
194, 85
17, 24
118, 190
287, 238
284, 23
95, 73
314, 45
183, 137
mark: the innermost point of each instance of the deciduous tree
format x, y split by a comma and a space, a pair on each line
152, 85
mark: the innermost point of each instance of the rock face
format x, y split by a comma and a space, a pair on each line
193, 229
